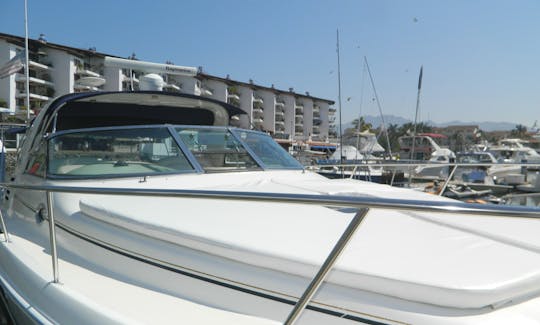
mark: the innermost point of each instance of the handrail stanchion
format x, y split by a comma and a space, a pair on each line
393, 177
445, 185
3, 225
353, 172
327, 266
52, 236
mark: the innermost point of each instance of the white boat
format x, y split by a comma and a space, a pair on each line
510, 153
361, 153
349, 162
113, 217
433, 159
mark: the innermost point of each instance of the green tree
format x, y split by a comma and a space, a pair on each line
520, 131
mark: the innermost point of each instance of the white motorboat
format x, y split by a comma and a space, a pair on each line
145, 207
433, 160
510, 155
349, 162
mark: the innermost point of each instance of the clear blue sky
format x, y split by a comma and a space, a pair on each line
481, 58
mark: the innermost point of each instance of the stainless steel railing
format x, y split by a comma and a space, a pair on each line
361, 204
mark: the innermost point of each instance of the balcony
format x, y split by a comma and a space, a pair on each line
40, 90
172, 87
129, 79
280, 103
35, 97
257, 100
233, 97
258, 111
38, 66
257, 121
316, 108
234, 101
86, 72
298, 119
232, 94
206, 91
331, 110
34, 80
282, 123
81, 88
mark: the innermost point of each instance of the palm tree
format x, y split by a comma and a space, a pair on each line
520, 131
364, 126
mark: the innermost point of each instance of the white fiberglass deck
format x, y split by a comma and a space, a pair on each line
119, 302
456, 262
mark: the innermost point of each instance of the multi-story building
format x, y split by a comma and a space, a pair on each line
55, 70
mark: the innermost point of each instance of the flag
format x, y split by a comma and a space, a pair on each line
12, 66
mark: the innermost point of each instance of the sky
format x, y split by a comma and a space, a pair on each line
480, 58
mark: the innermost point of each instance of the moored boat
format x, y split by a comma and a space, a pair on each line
141, 192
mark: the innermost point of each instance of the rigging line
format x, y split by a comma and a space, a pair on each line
339, 101
361, 102
379, 106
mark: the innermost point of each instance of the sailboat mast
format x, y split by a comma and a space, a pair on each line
417, 108
339, 101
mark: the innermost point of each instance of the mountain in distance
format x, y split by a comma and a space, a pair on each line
393, 119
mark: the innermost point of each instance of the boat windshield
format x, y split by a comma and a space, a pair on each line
116, 152
271, 154
148, 150
216, 149
219, 149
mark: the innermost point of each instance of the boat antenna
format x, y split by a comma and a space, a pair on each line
26, 67
379, 106
339, 101
417, 108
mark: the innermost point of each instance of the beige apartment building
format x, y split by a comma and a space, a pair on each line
56, 70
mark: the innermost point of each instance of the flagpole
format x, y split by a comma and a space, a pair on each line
26, 66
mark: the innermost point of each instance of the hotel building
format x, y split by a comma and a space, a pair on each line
55, 70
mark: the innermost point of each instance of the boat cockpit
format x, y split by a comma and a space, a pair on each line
119, 134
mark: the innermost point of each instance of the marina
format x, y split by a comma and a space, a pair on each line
278, 177
192, 220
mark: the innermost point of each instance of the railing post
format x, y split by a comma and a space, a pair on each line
445, 185
353, 172
3, 225
52, 236
326, 267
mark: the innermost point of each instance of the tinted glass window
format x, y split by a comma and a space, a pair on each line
141, 151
